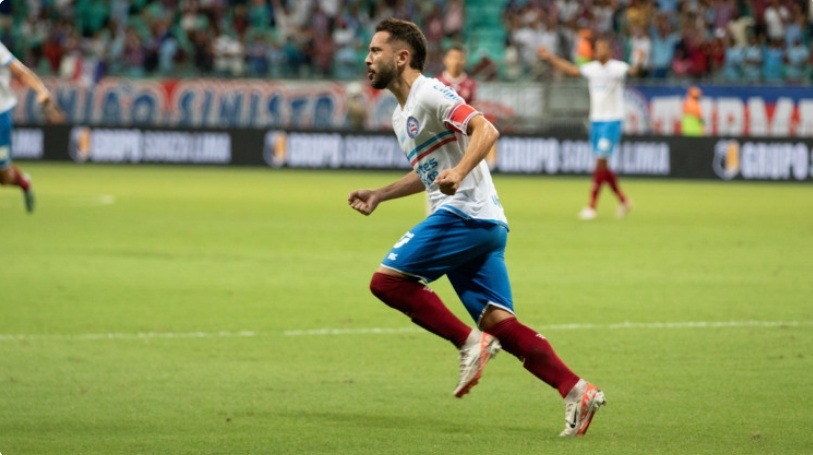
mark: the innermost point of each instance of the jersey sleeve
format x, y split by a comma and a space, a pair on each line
458, 117
6, 56
450, 108
586, 70
622, 70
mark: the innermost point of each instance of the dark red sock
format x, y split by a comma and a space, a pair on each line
536, 353
598, 179
421, 304
20, 179
613, 181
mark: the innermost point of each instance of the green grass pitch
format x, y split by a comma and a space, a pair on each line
228, 274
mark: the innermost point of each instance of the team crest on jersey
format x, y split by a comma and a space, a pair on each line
413, 127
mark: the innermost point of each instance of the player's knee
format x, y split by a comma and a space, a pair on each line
6, 176
381, 284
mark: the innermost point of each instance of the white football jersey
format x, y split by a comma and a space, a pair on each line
431, 130
7, 98
606, 85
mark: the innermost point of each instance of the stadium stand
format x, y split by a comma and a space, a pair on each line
764, 41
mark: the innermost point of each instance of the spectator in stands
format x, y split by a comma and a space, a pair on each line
640, 52
549, 37
323, 54
52, 50
795, 29
239, 20
752, 68
134, 55
716, 49
734, 63
773, 62
344, 60
796, 62
776, 16
639, 14
229, 54
259, 15
681, 65
722, 12
527, 40
695, 48
568, 11
602, 12
453, 19
257, 56
313, 35
664, 40
203, 52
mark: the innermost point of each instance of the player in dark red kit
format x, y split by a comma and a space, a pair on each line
454, 75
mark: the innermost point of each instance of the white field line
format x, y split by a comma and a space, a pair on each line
543, 328
126, 336
390, 331
92, 201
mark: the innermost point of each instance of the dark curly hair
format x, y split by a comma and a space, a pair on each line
408, 33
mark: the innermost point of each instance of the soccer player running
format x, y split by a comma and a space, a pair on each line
605, 77
464, 237
10, 174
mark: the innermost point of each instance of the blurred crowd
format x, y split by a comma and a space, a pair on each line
749, 41
743, 41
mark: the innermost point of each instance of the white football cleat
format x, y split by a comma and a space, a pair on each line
581, 404
474, 356
623, 209
587, 214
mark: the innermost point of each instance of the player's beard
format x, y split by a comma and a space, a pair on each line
381, 78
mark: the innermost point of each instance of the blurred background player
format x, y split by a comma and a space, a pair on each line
464, 238
605, 77
454, 75
10, 174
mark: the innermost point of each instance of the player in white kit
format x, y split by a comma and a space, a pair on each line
605, 77
10, 174
445, 140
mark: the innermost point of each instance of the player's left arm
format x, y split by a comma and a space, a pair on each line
31, 80
633, 70
482, 136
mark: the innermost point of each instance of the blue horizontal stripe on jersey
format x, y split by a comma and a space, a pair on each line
428, 143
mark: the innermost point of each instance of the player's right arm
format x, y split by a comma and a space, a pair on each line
559, 63
365, 201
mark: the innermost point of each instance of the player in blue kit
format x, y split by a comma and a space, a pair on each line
445, 140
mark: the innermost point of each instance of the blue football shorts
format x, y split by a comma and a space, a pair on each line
5, 139
470, 252
605, 137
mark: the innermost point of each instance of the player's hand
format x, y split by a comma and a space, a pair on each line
449, 181
363, 201
543, 52
44, 98
53, 114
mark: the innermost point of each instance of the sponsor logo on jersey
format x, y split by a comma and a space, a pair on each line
412, 127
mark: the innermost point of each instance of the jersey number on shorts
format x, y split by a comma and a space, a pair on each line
406, 238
